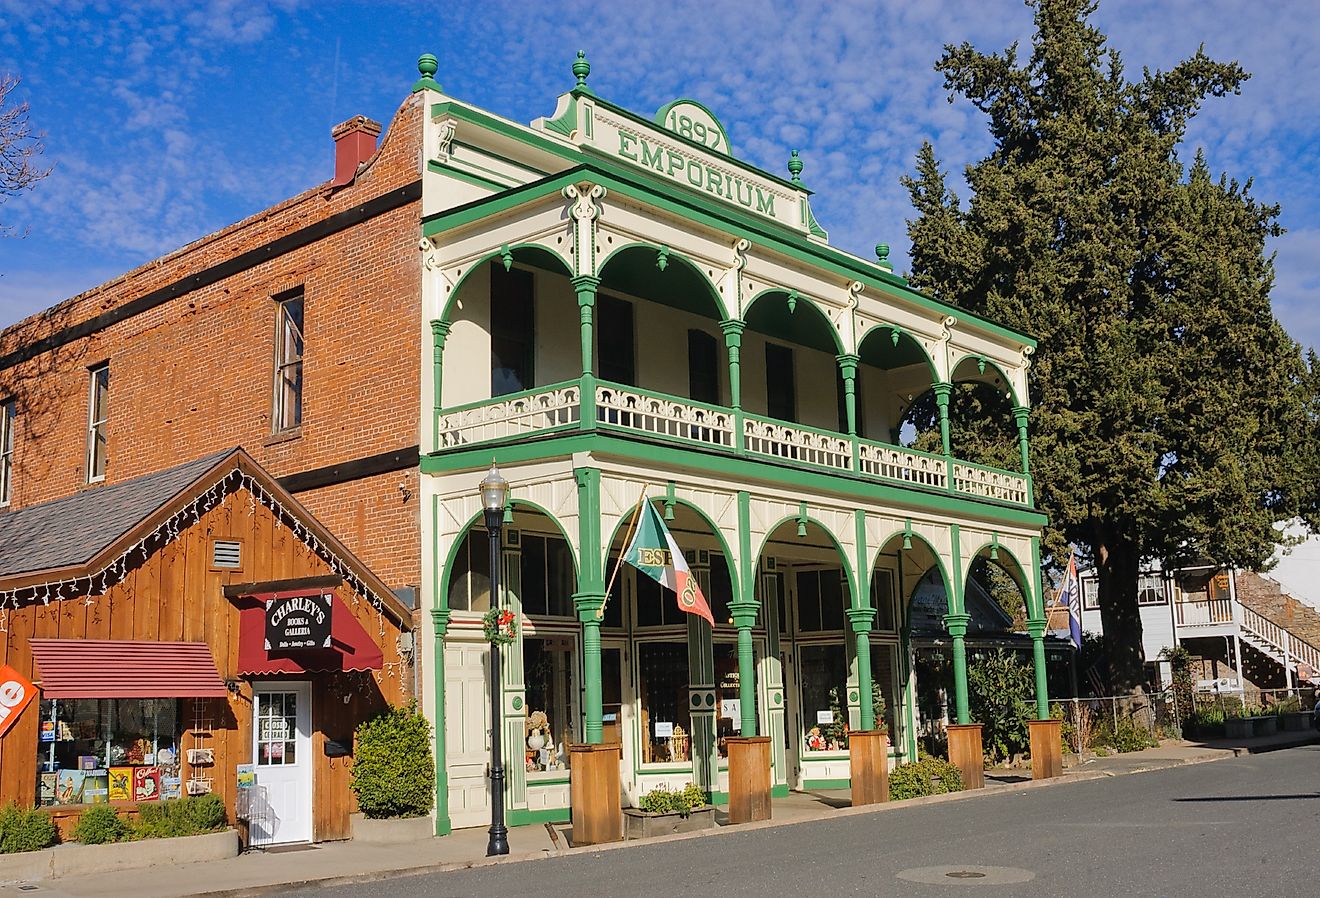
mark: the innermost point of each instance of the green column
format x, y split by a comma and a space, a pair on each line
439, 331
440, 625
590, 597
1037, 630
744, 608
956, 624
733, 331
586, 285
942, 394
1022, 415
848, 370
862, 620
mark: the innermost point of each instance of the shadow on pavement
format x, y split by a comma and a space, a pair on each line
1299, 796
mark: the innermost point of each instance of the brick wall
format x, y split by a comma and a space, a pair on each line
194, 375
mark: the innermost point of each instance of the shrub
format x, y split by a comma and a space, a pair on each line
393, 770
1002, 690
1184, 682
25, 829
1290, 705
929, 776
663, 801
1130, 736
180, 817
99, 825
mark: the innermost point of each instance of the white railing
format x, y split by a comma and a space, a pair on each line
664, 417
893, 463
1204, 613
1003, 486
510, 417
1288, 645
783, 441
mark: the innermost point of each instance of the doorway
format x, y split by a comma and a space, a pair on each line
282, 759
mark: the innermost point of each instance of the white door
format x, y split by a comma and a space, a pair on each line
467, 732
281, 808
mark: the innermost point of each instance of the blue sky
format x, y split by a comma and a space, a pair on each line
166, 121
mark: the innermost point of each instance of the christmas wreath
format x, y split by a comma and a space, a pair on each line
500, 626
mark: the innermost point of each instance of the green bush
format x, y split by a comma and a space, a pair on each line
929, 776
1129, 736
25, 829
180, 817
1290, 705
393, 770
99, 825
1002, 691
664, 801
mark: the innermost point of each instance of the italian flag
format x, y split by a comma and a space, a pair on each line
654, 553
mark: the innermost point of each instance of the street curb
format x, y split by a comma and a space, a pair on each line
1218, 754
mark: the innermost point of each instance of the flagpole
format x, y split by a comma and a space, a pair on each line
627, 538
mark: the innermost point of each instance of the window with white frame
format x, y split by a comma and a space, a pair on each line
98, 416
286, 413
1150, 590
8, 411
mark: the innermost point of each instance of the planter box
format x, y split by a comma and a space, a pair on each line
84, 860
1238, 728
639, 824
1266, 725
389, 831
1296, 722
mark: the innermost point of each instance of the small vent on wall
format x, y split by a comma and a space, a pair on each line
227, 554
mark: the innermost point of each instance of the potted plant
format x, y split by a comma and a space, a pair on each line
661, 812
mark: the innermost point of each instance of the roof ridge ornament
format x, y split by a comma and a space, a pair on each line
581, 69
794, 167
427, 66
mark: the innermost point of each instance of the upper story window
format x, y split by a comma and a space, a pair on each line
8, 411
512, 330
703, 367
1150, 590
820, 600
98, 416
618, 347
287, 411
780, 383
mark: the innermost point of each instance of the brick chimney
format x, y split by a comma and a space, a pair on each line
355, 141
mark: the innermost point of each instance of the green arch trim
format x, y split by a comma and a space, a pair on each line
1021, 578
989, 363
443, 597
904, 337
801, 299
663, 113
734, 579
938, 565
672, 255
838, 546
514, 249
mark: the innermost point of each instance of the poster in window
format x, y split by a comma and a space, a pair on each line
121, 783
69, 787
298, 622
96, 787
146, 784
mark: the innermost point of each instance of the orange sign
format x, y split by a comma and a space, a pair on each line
15, 693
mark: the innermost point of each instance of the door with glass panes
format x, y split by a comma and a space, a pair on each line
280, 806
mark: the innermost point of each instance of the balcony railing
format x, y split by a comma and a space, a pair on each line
680, 421
1204, 613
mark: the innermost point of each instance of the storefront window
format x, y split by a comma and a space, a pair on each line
92, 751
820, 600
547, 576
656, 606
884, 661
882, 596
662, 682
727, 700
550, 674
823, 670
469, 575
721, 589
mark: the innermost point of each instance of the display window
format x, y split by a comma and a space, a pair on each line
93, 751
820, 600
727, 697
884, 664
662, 681
823, 675
469, 575
547, 582
550, 666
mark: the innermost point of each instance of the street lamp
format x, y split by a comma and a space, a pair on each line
494, 495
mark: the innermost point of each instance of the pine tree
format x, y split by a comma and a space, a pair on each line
1166, 397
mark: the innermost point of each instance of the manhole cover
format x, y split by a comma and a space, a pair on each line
967, 874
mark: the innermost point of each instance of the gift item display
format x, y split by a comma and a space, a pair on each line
663, 678
107, 750
824, 675
550, 667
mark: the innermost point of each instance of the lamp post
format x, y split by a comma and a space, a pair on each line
494, 494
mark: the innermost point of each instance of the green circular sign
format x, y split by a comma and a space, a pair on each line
517, 703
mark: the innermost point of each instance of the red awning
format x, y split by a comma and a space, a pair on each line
113, 668
351, 648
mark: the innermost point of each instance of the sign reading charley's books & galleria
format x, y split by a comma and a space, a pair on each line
298, 622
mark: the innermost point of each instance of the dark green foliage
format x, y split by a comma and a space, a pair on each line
1001, 691
180, 817
1170, 415
1122, 735
1001, 586
929, 776
25, 829
1184, 682
664, 801
393, 770
99, 825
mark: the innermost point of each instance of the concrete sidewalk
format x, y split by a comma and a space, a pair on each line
273, 871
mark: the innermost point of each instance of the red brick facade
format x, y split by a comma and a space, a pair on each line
194, 375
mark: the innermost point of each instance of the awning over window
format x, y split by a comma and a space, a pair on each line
351, 647
113, 668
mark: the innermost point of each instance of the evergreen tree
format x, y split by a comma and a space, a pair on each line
1166, 396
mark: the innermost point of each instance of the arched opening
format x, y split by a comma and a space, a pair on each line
653, 307
982, 429
789, 359
515, 316
893, 372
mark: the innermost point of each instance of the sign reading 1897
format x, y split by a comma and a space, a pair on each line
691, 120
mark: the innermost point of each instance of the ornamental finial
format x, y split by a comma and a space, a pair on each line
581, 69
882, 252
427, 66
795, 166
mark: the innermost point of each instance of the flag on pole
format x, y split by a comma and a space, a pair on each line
1070, 596
654, 553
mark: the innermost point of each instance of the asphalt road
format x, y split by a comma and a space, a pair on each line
1242, 828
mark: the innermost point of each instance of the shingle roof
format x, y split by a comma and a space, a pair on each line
72, 530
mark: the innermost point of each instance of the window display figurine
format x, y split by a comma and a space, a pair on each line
816, 740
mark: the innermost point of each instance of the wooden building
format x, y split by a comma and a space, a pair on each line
144, 612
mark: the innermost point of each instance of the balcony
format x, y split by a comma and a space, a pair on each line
673, 420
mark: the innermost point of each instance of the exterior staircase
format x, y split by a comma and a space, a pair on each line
1276, 625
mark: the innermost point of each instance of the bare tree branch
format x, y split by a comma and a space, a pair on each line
20, 148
